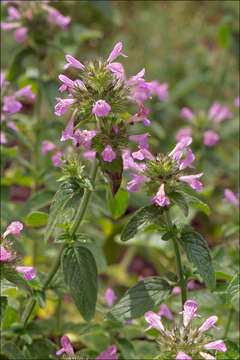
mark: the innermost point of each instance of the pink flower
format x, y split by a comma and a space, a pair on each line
25, 91
66, 346
229, 196
108, 154
181, 145
237, 102
189, 311
56, 158
219, 113
116, 52
3, 82
12, 126
190, 286
187, 161
20, 34
62, 105
9, 26
67, 133
109, 354
11, 105
3, 139
216, 345
117, 70
209, 323
143, 154
160, 198
27, 271
13, 13
192, 181
207, 356
101, 108
135, 184
129, 163
210, 138
182, 133
141, 116
71, 61
109, 297
187, 113
164, 311
4, 255
57, 18
134, 79
141, 91
161, 90
182, 356
89, 154
47, 146
14, 228
154, 320
115, 129
142, 140
84, 137
67, 83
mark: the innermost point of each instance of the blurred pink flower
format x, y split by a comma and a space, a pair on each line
108, 154
4, 255
27, 271
210, 138
47, 146
116, 52
66, 346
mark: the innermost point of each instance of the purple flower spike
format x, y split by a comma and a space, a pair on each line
182, 133
71, 61
142, 140
182, 356
117, 70
101, 108
189, 312
216, 345
207, 356
187, 113
229, 196
47, 146
14, 228
109, 297
210, 138
154, 320
135, 184
62, 105
20, 34
108, 154
66, 346
192, 181
27, 271
109, 354
160, 198
209, 323
164, 311
116, 52
4, 255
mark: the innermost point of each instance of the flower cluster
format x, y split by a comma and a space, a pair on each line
163, 174
7, 254
12, 104
184, 338
32, 18
215, 115
50, 146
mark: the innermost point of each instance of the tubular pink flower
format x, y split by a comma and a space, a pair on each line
101, 108
20, 34
187, 161
27, 271
108, 154
57, 18
12, 126
181, 145
207, 356
56, 158
109, 297
192, 181
142, 140
143, 154
189, 311
66, 346
62, 105
129, 163
25, 91
3, 82
108, 354
164, 311
14, 228
182, 356
135, 184
213, 111
229, 196
210, 138
182, 133
67, 133
237, 102
216, 345
134, 79
10, 26
84, 137
141, 91
71, 61
154, 320
13, 13
161, 90
117, 70
11, 105
89, 154
47, 146
67, 83
4, 255
187, 113
223, 114
141, 116
116, 52
160, 198
209, 323
115, 129
3, 139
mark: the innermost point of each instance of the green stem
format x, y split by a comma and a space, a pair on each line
28, 310
230, 316
182, 282
128, 256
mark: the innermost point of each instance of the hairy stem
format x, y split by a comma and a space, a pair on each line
182, 282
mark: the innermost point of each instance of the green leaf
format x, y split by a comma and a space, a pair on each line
97, 254
119, 203
140, 220
107, 10
126, 348
37, 201
64, 198
224, 33
17, 279
232, 352
197, 203
20, 137
178, 198
3, 306
170, 276
50, 90
198, 253
142, 297
41, 298
16, 66
80, 275
42, 349
12, 350
114, 172
65, 237
10, 318
223, 275
36, 219
233, 288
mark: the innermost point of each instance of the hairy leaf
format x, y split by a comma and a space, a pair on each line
36, 219
179, 199
119, 203
12, 350
37, 201
233, 289
17, 279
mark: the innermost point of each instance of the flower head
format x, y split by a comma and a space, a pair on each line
66, 346
164, 311
116, 69
142, 140
182, 133
209, 323
182, 356
135, 184
187, 113
71, 61
108, 154
56, 158
216, 345
192, 181
62, 105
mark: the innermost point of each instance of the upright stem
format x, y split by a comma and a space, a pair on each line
76, 222
178, 258
229, 322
